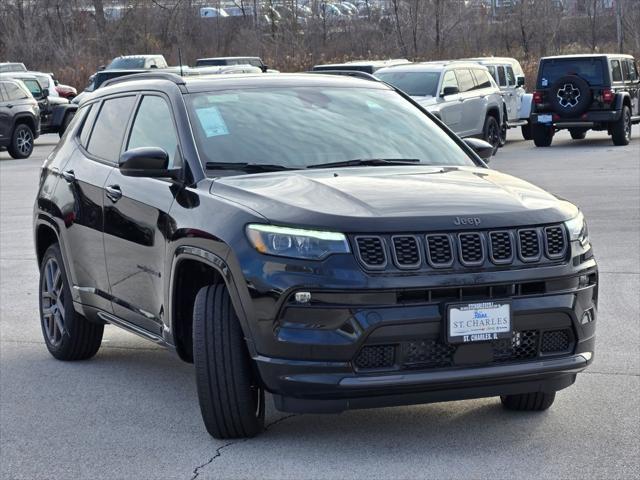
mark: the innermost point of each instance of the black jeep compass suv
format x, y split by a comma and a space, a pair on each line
321, 238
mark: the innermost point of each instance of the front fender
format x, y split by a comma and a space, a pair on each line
59, 112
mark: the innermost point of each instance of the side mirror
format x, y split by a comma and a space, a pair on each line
520, 81
101, 67
483, 149
153, 66
45, 92
450, 91
147, 162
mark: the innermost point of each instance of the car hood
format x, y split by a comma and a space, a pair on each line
407, 198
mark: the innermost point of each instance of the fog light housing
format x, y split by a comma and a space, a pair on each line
587, 317
303, 297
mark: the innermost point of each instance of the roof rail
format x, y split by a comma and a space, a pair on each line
348, 73
151, 75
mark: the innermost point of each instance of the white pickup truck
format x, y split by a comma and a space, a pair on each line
509, 76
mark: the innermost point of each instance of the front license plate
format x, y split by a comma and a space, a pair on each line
478, 322
545, 118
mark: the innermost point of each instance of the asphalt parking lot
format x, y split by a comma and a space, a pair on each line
132, 411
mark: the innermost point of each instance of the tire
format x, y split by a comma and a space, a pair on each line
621, 130
491, 132
570, 96
542, 136
67, 334
503, 134
231, 399
578, 133
528, 402
21, 142
526, 131
65, 123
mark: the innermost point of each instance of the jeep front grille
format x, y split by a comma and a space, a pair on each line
406, 251
462, 250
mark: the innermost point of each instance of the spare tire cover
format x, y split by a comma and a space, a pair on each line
570, 96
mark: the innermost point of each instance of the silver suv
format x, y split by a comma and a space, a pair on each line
462, 94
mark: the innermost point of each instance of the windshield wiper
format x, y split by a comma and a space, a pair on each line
368, 162
247, 167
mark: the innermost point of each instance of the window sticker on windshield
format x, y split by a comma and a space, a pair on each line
544, 82
212, 122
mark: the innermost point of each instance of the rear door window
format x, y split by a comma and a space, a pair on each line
108, 132
616, 72
465, 80
14, 92
483, 80
589, 69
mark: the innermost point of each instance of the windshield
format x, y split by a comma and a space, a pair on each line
589, 69
416, 84
123, 63
303, 126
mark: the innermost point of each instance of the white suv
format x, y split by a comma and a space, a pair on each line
462, 94
509, 76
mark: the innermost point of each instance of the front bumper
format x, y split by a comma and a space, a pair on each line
322, 373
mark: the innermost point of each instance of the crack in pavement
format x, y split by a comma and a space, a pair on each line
196, 471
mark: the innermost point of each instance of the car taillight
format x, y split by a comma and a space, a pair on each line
607, 96
537, 97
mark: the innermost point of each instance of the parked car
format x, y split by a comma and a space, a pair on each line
55, 112
137, 62
586, 92
509, 77
19, 118
366, 66
462, 94
12, 67
223, 61
319, 237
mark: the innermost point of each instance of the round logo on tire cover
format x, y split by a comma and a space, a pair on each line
568, 95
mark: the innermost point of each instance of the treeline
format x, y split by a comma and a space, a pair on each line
73, 37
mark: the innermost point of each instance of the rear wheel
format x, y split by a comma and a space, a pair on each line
503, 134
542, 135
578, 133
231, 399
491, 132
21, 141
526, 131
621, 130
531, 402
67, 334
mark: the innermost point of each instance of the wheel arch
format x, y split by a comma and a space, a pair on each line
623, 99
193, 268
25, 120
46, 235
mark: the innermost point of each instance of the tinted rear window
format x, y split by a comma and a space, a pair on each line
589, 69
126, 63
108, 132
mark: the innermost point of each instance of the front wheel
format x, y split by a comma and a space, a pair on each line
531, 402
621, 130
21, 145
67, 334
503, 134
491, 132
231, 398
542, 135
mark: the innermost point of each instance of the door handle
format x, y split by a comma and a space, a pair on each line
461, 99
10, 105
69, 176
113, 192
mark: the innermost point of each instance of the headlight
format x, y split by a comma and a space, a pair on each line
297, 243
577, 228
